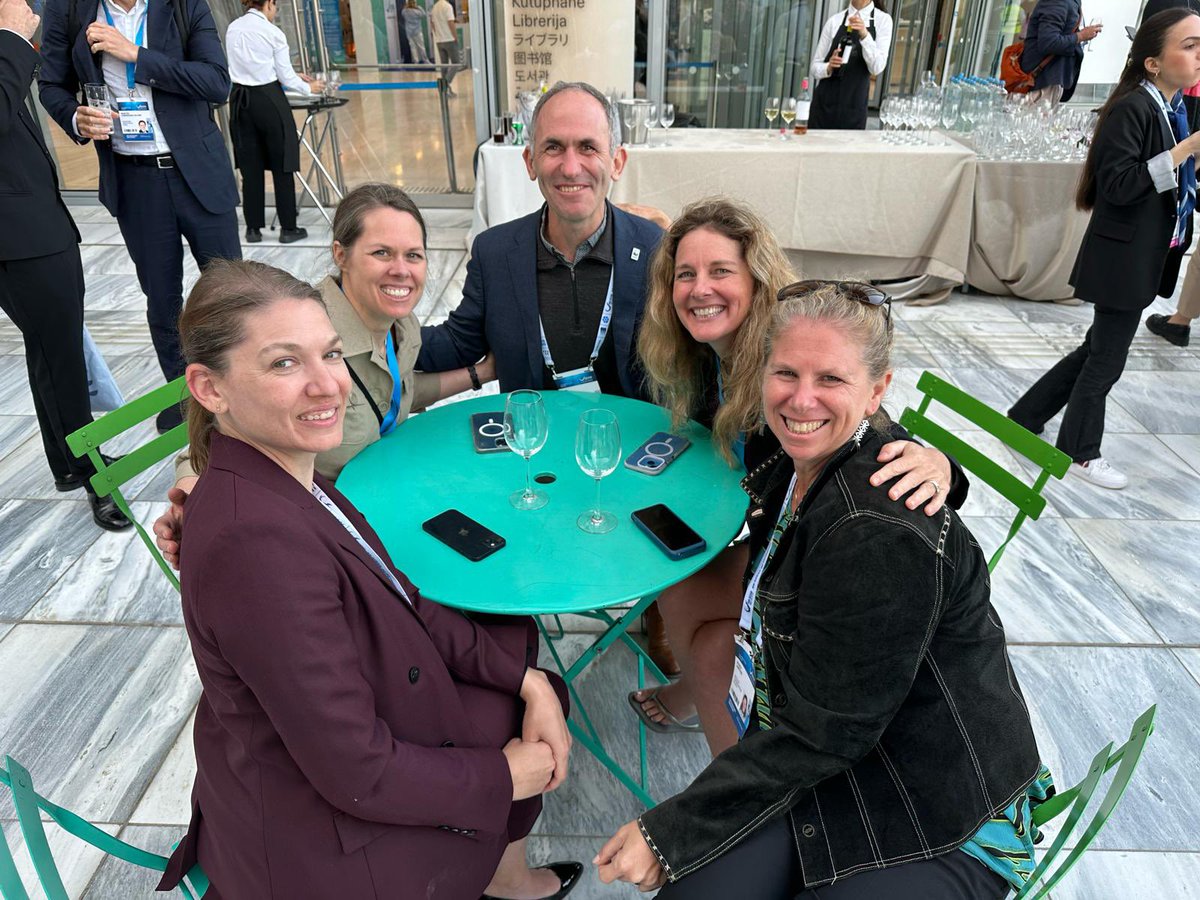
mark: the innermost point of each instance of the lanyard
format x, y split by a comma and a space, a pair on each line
605, 321
739, 443
1162, 106
389, 421
764, 559
141, 33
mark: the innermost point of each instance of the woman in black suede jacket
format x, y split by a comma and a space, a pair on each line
888, 728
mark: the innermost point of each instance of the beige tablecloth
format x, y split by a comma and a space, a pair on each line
843, 204
1026, 230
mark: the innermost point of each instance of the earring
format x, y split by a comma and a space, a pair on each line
860, 433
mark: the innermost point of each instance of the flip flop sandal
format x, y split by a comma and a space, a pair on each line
671, 725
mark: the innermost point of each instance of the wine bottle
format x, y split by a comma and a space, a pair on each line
803, 104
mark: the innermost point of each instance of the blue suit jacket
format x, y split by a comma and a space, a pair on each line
183, 86
1051, 32
499, 309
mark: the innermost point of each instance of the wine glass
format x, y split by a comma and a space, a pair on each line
1095, 20
598, 451
629, 118
787, 112
525, 430
667, 119
771, 111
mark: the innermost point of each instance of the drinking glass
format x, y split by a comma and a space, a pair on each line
787, 112
1095, 20
518, 126
629, 117
333, 81
771, 111
525, 430
99, 98
667, 118
598, 451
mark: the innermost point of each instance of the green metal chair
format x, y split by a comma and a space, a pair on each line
1074, 803
1027, 498
109, 478
27, 804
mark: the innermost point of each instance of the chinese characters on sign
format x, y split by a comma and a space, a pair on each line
569, 40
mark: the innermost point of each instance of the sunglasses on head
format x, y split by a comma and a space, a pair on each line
855, 290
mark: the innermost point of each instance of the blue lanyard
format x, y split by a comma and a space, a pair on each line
605, 321
739, 443
389, 421
141, 34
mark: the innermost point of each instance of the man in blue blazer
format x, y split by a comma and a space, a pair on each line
170, 179
1056, 30
556, 296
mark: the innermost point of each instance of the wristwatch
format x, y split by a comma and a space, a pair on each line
475, 382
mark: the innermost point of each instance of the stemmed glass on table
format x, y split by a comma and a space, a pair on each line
771, 111
667, 119
525, 431
598, 451
787, 112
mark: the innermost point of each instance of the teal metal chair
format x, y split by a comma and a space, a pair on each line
27, 804
1027, 498
109, 477
1074, 803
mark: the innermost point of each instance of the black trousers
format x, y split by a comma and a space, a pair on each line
157, 209
1080, 381
260, 141
765, 867
44, 298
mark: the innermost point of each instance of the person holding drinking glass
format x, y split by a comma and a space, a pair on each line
261, 122
853, 49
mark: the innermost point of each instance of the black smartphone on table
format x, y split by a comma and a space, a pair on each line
673, 536
464, 535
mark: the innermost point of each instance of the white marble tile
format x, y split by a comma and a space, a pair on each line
115, 292
1165, 405
1048, 587
1132, 876
39, 541
168, 800
116, 581
1190, 657
15, 430
1145, 560
106, 259
984, 500
95, 717
15, 398
968, 308
1186, 447
309, 264
1161, 485
114, 878
1012, 345
5, 628
75, 860
1081, 698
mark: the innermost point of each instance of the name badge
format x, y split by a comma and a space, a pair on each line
740, 702
583, 380
137, 122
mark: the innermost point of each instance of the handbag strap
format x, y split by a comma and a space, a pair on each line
362, 387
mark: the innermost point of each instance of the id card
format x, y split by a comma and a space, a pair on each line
583, 380
740, 702
137, 122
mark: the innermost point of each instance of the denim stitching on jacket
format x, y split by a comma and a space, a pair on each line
908, 804
862, 812
962, 728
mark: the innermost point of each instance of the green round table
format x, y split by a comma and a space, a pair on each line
549, 566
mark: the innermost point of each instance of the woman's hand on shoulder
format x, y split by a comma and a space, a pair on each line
168, 528
544, 723
921, 473
627, 857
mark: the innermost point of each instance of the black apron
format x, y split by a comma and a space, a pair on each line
262, 128
840, 101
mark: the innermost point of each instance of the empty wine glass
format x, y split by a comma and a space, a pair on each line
667, 119
629, 118
525, 431
598, 451
771, 111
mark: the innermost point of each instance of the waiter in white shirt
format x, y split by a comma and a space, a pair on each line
853, 47
261, 124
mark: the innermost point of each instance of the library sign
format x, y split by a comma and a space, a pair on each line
569, 40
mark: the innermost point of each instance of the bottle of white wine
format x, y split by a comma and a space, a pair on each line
803, 104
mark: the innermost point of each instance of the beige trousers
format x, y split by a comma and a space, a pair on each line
1189, 294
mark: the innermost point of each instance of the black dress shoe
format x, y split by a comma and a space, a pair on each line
106, 515
1179, 335
73, 482
169, 418
253, 235
568, 876
290, 235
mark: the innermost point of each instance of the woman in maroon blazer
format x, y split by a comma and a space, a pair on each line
353, 739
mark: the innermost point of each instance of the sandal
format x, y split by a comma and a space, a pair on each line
672, 725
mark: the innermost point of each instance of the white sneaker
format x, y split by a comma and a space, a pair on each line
1100, 473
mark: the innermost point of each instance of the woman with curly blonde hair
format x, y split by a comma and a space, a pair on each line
714, 281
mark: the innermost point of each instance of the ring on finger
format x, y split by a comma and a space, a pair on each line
937, 488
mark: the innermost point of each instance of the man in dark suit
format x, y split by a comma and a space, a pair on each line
41, 275
1056, 30
170, 181
573, 272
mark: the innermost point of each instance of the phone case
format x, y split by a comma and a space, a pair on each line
659, 451
464, 535
683, 552
487, 431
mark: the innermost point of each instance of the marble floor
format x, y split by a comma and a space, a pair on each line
99, 685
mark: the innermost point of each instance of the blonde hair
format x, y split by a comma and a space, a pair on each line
868, 326
674, 361
213, 323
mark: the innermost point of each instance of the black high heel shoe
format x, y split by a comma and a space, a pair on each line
568, 875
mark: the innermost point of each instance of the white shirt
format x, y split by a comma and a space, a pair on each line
258, 54
114, 76
874, 49
442, 21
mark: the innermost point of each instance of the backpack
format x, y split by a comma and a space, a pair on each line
1017, 80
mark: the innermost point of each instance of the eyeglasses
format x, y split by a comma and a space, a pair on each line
855, 290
